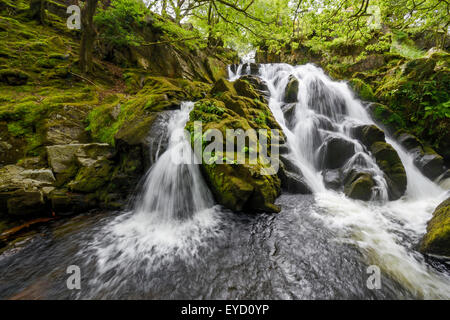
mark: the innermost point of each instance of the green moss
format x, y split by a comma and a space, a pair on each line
363, 89
437, 238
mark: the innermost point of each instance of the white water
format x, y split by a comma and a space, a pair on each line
387, 232
173, 217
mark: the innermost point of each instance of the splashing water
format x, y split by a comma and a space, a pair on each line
386, 232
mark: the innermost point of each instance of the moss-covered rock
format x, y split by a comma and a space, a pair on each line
389, 161
368, 134
437, 239
291, 91
359, 186
364, 90
240, 187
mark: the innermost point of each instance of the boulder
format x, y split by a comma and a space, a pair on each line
437, 238
426, 159
394, 171
292, 179
335, 152
368, 134
359, 186
291, 91
239, 187
430, 164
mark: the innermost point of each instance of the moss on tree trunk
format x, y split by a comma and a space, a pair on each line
88, 36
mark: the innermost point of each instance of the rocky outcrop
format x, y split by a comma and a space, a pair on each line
437, 238
240, 187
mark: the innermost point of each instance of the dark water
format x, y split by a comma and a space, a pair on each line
292, 255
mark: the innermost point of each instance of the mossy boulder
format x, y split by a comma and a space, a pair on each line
291, 91
359, 186
368, 134
394, 171
437, 239
237, 186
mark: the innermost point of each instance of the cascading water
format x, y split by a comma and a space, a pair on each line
386, 231
176, 244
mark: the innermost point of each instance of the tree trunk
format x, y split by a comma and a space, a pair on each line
88, 36
37, 10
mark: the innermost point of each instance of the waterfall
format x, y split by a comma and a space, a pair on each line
387, 232
174, 189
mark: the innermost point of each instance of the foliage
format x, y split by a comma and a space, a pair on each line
117, 21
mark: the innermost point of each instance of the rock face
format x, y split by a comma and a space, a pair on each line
22, 192
437, 239
240, 187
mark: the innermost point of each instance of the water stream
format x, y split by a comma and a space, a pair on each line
175, 243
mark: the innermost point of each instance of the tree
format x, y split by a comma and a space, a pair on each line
88, 35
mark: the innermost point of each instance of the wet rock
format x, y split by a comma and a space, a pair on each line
368, 134
335, 152
426, 159
332, 179
292, 179
437, 239
359, 186
289, 114
390, 163
65, 203
408, 141
444, 180
430, 164
251, 68
291, 91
